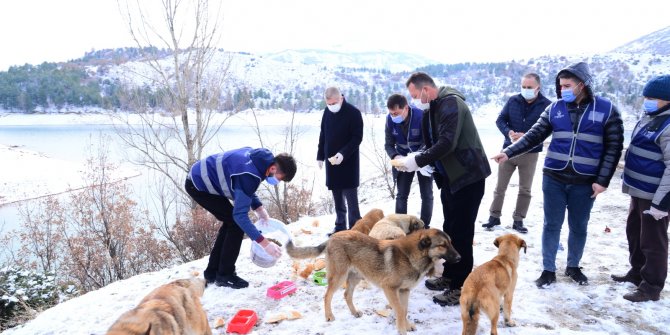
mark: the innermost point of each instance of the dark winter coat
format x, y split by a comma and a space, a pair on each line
519, 115
341, 132
452, 141
612, 138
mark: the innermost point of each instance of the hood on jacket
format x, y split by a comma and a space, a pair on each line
581, 71
445, 91
262, 159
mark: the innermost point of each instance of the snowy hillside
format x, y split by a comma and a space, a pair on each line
656, 43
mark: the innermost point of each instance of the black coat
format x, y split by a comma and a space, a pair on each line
519, 115
341, 132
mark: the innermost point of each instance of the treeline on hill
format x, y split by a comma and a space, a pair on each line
84, 83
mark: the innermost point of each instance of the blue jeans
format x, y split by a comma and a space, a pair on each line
557, 197
350, 195
404, 183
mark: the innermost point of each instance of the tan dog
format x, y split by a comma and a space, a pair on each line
396, 266
395, 225
366, 223
489, 283
171, 309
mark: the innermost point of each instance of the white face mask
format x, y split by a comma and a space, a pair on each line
335, 108
421, 105
528, 93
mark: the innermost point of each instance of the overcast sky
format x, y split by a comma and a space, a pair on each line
34, 31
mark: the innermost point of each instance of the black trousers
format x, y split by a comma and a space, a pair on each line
350, 195
229, 239
648, 246
460, 212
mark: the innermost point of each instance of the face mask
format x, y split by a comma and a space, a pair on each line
528, 93
417, 102
397, 119
650, 105
568, 95
335, 108
272, 180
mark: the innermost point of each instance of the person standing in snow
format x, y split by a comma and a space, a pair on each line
225, 185
403, 135
341, 135
586, 142
453, 146
517, 116
646, 178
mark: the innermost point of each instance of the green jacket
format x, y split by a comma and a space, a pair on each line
452, 141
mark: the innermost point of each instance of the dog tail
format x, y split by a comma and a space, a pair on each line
305, 252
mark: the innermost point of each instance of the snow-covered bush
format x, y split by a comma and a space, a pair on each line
24, 292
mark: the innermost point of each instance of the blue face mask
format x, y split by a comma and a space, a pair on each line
650, 106
272, 180
568, 95
397, 118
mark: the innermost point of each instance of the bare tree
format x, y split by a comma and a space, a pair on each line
379, 159
171, 133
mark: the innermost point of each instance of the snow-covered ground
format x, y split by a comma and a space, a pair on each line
564, 308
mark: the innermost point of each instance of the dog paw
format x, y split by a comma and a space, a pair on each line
357, 314
330, 318
510, 323
411, 326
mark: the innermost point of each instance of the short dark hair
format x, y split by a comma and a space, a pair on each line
286, 163
569, 75
534, 76
420, 80
396, 101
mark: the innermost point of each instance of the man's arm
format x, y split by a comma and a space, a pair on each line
612, 147
356, 135
502, 122
533, 137
389, 141
449, 127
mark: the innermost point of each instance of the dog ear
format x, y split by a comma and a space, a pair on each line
496, 242
425, 243
523, 245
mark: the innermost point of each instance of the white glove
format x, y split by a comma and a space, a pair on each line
262, 214
320, 164
272, 249
337, 159
409, 164
427, 170
657, 214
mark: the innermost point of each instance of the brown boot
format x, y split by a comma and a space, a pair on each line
640, 296
628, 278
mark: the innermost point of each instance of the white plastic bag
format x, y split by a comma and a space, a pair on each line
275, 230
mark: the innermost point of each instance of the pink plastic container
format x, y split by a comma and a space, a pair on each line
242, 322
281, 289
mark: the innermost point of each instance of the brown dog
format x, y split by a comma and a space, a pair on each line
366, 223
395, 225
489, 283
396, 266
171, 309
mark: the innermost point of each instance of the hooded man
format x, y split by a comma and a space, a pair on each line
225, 185
586, 142
646, 178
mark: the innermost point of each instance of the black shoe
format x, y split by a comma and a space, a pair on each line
335, 231
438, 284
492, 223
576, 274
448, 298
518, 226
546, 278
628, 278
640, 296
232, 281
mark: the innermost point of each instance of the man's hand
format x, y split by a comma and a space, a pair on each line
271, 248
597, 189
500, 158
320, 163
657, 214
408, 164
516, 136
337, 159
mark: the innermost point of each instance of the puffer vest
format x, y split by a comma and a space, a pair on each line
213, 174
644, 158
414, 140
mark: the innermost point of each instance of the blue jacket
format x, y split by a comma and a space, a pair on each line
645, 164
236, 175
519, 115
405, 137
583, 148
